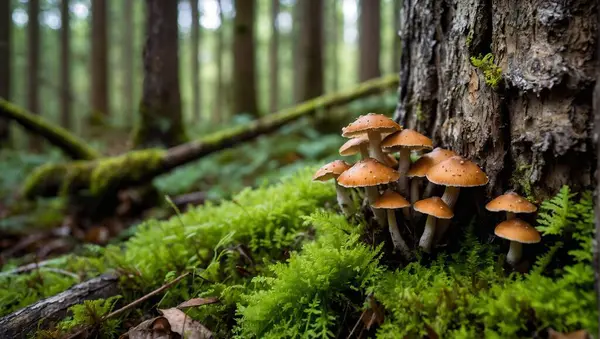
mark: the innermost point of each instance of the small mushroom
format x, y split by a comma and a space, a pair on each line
518, 232
391, 201
419, 169
510, 203
369, 173
404, 142
333, 170
356, 145
435, 208
373, 126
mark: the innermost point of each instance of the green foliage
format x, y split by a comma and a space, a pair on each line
90, 313
491, 72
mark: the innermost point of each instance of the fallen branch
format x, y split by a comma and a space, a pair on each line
137, 167
73, 146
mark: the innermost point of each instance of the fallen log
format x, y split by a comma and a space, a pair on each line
73, 146
137, 167
27, 320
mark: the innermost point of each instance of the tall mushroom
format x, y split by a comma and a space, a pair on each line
404, 142
518, 232
372, 125
361, 145
391, 201
435, 208
333, 170
510, 203
369, 173
419, 169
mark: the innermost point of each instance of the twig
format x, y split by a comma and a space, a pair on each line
133, 303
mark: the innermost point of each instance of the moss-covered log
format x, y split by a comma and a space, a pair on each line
137, 167
56, 135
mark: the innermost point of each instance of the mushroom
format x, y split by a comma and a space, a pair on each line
373, 125
356, 145
454, 173
404, 142
435, 208
419, 169
510, 203
369, 173
518, 232
333, 170
390, 201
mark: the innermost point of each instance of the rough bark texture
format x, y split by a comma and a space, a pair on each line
369, 40
274, 58
5, 73
532, 132
312, 48
244, 54
196, 75
127, 58
99, 59
160, 121
27, 320
33, 51
65, 61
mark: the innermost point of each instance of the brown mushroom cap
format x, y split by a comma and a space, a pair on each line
428, 160
511, 202
518, 230
457, 171
370, 123
434, 206
367, 172
331, 170
391, 200
393, 160
352, 146
407, 138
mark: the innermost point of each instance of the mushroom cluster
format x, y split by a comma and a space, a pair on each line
387, 182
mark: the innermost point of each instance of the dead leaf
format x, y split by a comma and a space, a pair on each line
198, 302
374, 314
431, 333
181, 323
581, 334
155, 328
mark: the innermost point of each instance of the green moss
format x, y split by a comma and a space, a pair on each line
40, 175
520, 178
90, 314
419, 112
491, 72
469, 39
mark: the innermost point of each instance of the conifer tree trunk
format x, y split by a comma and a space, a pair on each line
65, 61
196, 75
5, 72
297, 58
369, 30
33, 52
160, 122
219, 110
274, 58
531, 132
127, 49
99, 59
312, 48
333, 43
244, 58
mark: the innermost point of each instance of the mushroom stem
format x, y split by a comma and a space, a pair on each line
344, 199
372, 196
514, 253
510, 215
428, 190
414, 189
364, 151
399, 243
450, 196
403, 166
427, 237
375, 147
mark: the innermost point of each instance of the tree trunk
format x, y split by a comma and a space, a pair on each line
196, 76
127, 57
244, 58
396, 42
160, 108
369, 28
5, 73
99, 60
297, 59
33, 52
274, 58
219, 109
65, 61
531, 132
333, 43
312, 48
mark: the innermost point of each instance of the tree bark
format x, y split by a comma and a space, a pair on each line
160, 108
274, 58
99, 60
127, 57
5, 73
297, 58
312, 48
33, 52
65, 61
219, 110
196, 75
596, 137
369, 28
26, 321
531, 132
244, 58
